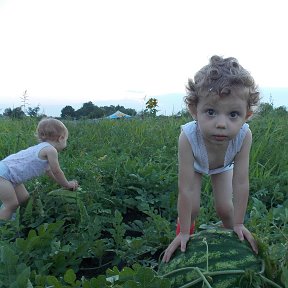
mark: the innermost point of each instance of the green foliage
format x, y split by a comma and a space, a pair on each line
138, 277
13, 273
125, 211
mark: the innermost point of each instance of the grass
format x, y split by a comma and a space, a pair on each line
132, 166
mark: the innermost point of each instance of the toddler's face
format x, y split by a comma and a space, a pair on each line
221, 117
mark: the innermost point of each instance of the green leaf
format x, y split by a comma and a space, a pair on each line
70, 276
99, 282
8, 256
63, 193
144, 276
28, 210
23, 277
52, 280
113, 271
98, 249
126, 274
83, 212
32, 233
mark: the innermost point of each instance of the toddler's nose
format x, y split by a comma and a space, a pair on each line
220, 122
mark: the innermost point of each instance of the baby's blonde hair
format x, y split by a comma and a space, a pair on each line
50, 129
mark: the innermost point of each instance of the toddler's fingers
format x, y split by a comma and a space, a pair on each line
184, 244
171, 249
239, 233
252, 241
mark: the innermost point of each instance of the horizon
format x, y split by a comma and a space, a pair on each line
168, 104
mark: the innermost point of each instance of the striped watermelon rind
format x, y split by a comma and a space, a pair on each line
227, 256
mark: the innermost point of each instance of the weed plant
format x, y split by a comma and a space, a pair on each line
124, 214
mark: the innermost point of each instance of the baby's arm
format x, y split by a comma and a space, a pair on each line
55, 172
189, 183
241, 191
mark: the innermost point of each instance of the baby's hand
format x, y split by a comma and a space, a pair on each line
73, 185
244, 233
180, 240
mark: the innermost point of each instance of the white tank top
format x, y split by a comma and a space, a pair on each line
26, 164
199, 151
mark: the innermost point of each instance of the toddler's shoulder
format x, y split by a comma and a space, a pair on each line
189, 127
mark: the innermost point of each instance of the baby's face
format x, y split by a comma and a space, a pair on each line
221, 117
62, 142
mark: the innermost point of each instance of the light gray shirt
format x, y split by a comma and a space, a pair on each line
201, 163
26, 164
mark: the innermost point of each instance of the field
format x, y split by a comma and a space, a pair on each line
112, 231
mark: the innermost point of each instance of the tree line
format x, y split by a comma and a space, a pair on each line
87, 111
91, 111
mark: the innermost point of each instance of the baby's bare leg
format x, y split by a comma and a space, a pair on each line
223, 194
21, 193
8, 198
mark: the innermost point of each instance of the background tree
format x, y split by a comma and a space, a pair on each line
16, 113
86, 111
7, 112
99, 112
265, 108
281, 110
130, 111
68, 112
91, 111
33, 112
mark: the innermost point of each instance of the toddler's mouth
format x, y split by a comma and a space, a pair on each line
220, 137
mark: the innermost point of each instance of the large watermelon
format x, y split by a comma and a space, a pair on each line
217, 250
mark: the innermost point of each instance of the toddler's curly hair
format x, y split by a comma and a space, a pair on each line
220, 76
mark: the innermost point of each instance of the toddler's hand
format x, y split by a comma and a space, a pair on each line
180, 240
73, 185
242, 233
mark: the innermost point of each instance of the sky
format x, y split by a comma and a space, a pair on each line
69, 52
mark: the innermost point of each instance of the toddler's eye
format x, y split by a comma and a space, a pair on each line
210, 112
234, 114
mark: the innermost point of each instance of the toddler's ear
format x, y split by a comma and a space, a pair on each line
60, 138
193, 111
249, 114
